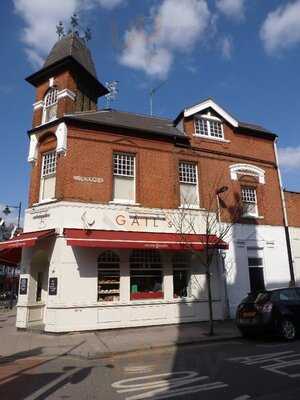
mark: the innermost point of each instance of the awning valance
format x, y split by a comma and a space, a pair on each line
141, 240
27, 239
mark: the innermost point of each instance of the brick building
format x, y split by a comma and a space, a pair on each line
101, 243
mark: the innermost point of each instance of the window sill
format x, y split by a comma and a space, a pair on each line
43, 202
214, 139
252, 216
124, 203
192, 208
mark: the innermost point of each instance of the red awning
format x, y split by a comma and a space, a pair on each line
27, 239
11, 257
141, 240
11, 250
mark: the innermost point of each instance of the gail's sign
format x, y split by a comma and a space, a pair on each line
142, 221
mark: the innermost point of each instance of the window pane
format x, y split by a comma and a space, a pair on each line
146, 278
108, 277
216, 129
49, 164
249, 195
124, 188
249, 201
188, 195
124, 164
48, 188
187, 173
50, 105
201, 127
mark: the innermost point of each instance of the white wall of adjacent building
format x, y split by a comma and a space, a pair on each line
295, 244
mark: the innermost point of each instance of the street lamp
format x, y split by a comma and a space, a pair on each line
7, 211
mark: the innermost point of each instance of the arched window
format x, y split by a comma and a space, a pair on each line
247, 169
146, 277
108, 276
181, 275
50, 105
248, 192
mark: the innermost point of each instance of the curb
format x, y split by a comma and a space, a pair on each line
110, 354
161, 347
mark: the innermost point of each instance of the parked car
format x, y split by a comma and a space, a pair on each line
270, 311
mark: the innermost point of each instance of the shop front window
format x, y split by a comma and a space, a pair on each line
181, 275
146, 277
108, 276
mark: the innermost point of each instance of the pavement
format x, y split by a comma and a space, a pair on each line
16, 344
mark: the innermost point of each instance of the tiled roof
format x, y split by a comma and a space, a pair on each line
71, 45
122, 119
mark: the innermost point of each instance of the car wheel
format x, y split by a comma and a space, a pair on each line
288, 330
246, 334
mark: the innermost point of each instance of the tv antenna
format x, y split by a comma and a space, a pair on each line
113, 90
152, 93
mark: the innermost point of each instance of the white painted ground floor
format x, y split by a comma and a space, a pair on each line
67, 287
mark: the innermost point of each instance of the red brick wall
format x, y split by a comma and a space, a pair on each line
90, 152
292, 201
63, 80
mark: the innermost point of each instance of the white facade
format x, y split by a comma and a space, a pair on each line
295, 245
75, 307
268, 242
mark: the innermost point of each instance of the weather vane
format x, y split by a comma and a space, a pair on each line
60, 30
113, 91
75, 27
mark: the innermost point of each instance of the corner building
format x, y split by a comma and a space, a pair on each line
101, 248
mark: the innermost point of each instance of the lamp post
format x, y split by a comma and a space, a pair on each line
221, 190
7, 211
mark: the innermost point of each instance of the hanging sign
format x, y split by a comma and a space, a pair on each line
23, 285
52, 291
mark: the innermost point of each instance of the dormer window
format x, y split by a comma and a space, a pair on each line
209, 127
50, 105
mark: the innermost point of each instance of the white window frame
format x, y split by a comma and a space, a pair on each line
247, 201
108, 277
247, 169
196, 184
126, 176
144, 258
44, 176
46, 106
208, 120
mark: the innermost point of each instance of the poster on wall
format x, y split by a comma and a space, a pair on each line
23, 285
52, 287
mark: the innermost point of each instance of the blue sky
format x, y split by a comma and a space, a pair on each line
244, 54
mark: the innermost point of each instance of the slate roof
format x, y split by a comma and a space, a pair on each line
254, 127
161, 126
71, 45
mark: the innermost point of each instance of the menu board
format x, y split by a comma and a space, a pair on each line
52, 287
23, 285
